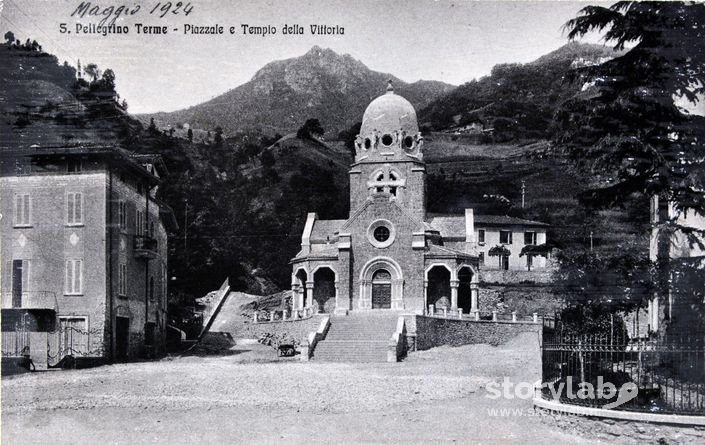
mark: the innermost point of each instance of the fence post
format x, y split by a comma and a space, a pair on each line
460, 313
271, 316
431, 309
494, 315
445, 312
283, 314
536, 317
514, 317
256, 318
477, 315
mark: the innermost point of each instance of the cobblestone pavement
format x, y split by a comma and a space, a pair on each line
250, 396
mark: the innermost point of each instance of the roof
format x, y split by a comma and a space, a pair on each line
502, 220
444, 251
325, 228
449, 226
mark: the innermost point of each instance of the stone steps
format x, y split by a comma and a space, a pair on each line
358, 338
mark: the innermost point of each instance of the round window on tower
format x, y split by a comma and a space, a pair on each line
387, 140
368, 143
381, 233
408, 142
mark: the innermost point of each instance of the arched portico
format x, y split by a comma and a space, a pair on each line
325, 289
300, 289
379, 276
468, 288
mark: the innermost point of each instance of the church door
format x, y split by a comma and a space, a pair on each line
381, 290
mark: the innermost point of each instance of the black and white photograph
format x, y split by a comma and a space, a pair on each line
352, 222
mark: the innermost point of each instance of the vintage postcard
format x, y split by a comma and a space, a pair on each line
326, 221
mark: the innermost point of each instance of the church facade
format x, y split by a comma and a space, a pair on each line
389, 254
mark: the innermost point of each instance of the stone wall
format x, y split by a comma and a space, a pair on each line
432, 332
297, 329
514, 276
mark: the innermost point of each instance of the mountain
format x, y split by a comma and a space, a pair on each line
515, 100
283, 94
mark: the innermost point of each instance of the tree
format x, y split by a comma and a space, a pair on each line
310, 128
92, 70
109, 79
627, 127
189, 134
9, 38
218, 139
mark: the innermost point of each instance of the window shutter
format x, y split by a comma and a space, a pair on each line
67, 279
27, 209
69, 208
25, 276
78, 209
79, 276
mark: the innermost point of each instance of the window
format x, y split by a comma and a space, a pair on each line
505, 237
387, 140
381, 234
481, 258
74, 166
530, 238
504, 262
139, 223
122, 214
481, 236
122, 279
74, 208
20, 280
23, 210
74, 277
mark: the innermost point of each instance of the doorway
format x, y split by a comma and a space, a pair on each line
382, 290
122, 338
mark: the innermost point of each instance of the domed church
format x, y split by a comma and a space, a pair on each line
388, 254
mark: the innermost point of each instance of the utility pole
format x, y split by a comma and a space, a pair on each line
523, 193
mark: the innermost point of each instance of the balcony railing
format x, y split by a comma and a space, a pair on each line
29, 300
145, 247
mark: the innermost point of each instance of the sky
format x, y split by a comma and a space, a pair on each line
448, 40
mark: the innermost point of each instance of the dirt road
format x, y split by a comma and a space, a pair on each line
251, 397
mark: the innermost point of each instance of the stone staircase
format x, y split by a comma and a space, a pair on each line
357, 338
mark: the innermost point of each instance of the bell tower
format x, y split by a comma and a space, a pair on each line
389, 156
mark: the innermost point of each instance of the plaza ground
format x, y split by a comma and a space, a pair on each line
247, 395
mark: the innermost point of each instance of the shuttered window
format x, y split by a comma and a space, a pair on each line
23, 210
74, 208
74, 277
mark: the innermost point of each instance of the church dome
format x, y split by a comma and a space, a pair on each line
389, 124
388, 113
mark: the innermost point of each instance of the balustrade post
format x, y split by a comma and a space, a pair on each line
494, 315
514, 317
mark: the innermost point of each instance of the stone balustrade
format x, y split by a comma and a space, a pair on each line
281, 315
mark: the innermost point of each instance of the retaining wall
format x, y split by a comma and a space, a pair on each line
432, 331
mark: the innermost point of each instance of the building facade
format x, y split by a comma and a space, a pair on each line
389, 253
84, 251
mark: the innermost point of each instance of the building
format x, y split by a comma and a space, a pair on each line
84, 254
389, 253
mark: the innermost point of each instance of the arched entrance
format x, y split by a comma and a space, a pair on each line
382, 289
381, 280
465, 276
438, 293
301, 280
324, 290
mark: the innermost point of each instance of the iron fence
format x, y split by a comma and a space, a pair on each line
665, 375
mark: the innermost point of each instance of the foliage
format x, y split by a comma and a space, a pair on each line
348, 137
626, 126
311, 128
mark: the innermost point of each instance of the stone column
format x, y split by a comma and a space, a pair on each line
425, 296
454, 294
309, 294
474, 292
397, 294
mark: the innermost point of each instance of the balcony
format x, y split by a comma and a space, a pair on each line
29, 300
145, 247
